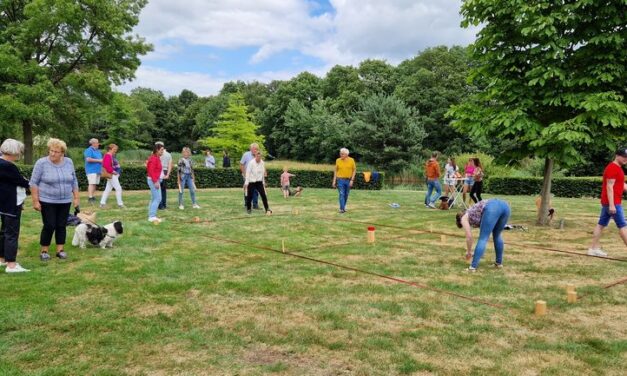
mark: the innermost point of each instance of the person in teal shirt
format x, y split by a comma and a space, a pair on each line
93, 167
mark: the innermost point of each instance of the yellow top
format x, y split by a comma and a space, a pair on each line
345, 168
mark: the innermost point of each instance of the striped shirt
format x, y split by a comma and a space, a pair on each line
55, 182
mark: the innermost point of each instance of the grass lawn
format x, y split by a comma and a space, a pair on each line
219, 298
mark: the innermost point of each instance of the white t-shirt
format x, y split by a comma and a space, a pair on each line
21, 195
255, 171
210, 161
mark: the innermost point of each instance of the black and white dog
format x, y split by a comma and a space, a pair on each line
102, 236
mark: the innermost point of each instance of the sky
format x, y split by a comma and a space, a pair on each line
201, 44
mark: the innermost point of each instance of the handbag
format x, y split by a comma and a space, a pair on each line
105, 174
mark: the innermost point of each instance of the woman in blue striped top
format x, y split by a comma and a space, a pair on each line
54, 188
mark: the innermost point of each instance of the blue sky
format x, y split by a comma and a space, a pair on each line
205, 43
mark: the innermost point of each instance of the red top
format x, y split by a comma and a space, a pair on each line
107, 163
613, 171
153, 168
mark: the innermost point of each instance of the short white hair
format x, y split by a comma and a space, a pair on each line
344, 151
93, 141
12, 147
254, 145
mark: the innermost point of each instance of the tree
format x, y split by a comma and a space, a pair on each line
118, 123
305, 88
430, 83
386, 134
554, 77
315, 134
234, 131
61, 56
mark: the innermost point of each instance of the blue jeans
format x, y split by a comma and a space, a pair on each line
163, 204
493, 220
186, 179
155, 195
343, 187
431, 185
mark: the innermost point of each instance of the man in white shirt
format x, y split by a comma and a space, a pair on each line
166, 164
254, 181
210, 161
243, 163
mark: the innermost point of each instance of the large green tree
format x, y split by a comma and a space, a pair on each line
431, 83
554, 74
386, 134
234, 130
59, 57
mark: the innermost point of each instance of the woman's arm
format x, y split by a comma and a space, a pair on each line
34, 192
468, 231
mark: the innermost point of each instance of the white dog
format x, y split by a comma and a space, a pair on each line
102, 236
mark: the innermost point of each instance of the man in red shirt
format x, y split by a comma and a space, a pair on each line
611, 197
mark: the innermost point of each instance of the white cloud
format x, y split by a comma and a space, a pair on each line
270, 25
393, 30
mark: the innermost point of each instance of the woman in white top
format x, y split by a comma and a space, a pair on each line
451, 171
255, 181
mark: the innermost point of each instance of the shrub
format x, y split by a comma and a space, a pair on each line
561, 187
134, 178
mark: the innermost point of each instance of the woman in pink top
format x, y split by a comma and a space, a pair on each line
285, 182
112, 166
470, 172
153, 172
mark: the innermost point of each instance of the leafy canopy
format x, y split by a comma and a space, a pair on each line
554, 75
234, 131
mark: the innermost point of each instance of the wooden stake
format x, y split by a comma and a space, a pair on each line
572, 297
371, 235
570, 288
540, 308
443, 239
430, 227
283, 246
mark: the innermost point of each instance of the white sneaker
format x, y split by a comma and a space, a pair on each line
181, 207
470, 269
431, 206
596, 252
196, 206
17, 269
154, 219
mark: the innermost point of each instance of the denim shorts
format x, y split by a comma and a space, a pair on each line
619, 217
469, 180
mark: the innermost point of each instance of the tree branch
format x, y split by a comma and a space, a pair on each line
76, 61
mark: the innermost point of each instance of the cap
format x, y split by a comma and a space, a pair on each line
622, 152
159, 143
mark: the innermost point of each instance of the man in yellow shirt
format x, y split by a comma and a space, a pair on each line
344, 176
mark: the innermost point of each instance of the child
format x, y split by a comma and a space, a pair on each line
185, 176
285, 182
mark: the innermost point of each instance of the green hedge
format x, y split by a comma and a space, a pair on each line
134, 178
561, 187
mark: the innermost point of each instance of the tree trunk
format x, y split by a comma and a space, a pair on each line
545, 193
27, 129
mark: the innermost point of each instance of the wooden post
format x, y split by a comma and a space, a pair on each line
283, 246
572, 297
371, 234
540, 308
570, 288
443, 239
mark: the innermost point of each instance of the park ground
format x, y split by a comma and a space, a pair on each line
216, 295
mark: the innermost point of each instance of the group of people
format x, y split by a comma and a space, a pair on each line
472, 180
53, 186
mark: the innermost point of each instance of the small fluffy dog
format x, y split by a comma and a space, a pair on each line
102, 236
